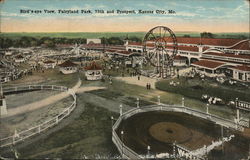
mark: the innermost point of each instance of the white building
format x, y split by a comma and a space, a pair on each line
209, 68
8, 53
19, 59
179, 61
93, 72
68, 67
93, 41
241, 73
49, 64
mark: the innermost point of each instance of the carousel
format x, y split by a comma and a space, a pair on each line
93, 72
68, 67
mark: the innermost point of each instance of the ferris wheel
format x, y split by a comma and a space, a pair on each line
159, 48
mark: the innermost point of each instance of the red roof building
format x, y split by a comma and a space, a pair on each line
243, 68
67, 63
93, 66
48, 62
241, 73
207, 64
243, 45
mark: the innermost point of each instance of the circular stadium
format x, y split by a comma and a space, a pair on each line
160, 130
171, 131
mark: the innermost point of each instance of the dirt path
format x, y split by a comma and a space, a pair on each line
142, 82
49, 100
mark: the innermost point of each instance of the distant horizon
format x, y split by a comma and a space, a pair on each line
121, 32
188, 16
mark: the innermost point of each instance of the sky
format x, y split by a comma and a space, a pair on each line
190, 15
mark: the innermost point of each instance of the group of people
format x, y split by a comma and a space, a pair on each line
148, 86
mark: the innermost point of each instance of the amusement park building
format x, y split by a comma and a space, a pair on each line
49, 64
209, 55
93, 72
68, 67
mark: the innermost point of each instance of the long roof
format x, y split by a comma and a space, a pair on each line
48, 62
204, 41
244, 45
208, 41
178, 57
227, 55
243, 68
208, 64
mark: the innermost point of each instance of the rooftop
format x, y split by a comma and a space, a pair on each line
67, 63
48, 61
243, 68
205, 41
93, 66
19, 56
178, 57
228, 55
244, 45
208, 64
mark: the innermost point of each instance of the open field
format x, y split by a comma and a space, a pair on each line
15, 100
48, 77
194, 88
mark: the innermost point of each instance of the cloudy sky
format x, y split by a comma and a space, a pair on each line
191, 15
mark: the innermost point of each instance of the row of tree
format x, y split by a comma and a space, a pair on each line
27, 41
51, 42
32, 42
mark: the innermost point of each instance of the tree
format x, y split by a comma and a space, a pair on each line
135, 39
49, 43
207, 35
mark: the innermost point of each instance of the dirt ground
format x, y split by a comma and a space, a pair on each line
142, 82
159, 129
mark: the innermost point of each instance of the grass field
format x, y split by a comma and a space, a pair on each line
194, 88
89, 134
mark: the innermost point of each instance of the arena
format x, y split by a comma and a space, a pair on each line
160, 130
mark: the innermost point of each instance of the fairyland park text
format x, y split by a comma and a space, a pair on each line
97, 11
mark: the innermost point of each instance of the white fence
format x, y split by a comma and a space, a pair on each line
22, 135
126, 152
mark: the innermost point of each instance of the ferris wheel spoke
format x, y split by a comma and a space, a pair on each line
153, 36
164, 34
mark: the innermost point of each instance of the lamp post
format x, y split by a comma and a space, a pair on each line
121, 110
148, 149
138, 103
207, 108
159, 100
112, 118
183, 102
122, 141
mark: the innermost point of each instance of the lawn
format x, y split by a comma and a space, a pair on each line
195, 88
48, 77
88, 134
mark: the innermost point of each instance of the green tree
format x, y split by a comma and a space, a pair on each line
49, 43
207, 35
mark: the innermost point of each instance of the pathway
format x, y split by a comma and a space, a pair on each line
50, 100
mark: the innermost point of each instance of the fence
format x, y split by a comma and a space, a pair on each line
22, 135
126, 152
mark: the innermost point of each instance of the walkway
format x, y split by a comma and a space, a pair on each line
142, 82
47, 101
